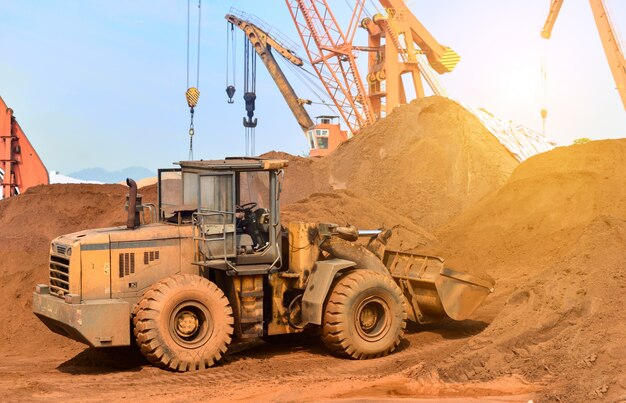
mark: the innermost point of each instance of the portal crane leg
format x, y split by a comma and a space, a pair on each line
18, 159
612, 49
6, 153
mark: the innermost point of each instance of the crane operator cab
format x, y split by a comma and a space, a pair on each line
232, 207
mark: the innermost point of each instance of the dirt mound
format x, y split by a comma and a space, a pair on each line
428, 161
543, 208
554, 238
29, 222
302, 177
343, 208
552, 234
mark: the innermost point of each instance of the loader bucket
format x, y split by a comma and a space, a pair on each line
432, 291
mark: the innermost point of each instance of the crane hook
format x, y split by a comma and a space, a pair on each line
249, 98
230, 91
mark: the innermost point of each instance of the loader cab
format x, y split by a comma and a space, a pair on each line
233, 209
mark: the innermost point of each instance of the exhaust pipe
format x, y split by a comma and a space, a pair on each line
133, 220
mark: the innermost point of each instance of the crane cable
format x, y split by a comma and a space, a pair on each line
318, 91
193, 94
230, 47
544, 80
249, 96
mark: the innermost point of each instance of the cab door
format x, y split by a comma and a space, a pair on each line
214, 222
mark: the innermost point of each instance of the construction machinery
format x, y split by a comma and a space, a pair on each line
608, 36
404, 59
323, 136
402, 46
211, 264
20, 166
263, 43
333, 57
398, 44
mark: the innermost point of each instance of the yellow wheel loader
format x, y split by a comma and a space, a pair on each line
211, 265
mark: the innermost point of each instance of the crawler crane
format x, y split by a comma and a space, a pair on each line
323, 136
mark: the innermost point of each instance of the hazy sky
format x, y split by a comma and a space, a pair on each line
101, 83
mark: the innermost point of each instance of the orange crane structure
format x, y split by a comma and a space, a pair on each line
263, 44
608, 36
323, 136
20, 166
398, 44
402, 45
333, 57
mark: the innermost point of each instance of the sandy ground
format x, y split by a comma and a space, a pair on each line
551, 231
297, 370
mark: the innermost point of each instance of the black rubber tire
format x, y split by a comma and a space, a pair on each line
183, 323
365, 315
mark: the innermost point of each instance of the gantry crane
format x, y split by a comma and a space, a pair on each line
20, 166
610, 42
408, 49
263, 44
332, 54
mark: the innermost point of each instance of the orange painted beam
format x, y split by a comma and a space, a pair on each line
18, 159
612, 49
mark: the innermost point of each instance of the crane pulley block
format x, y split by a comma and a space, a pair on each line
192, 95
249, 98
230, 91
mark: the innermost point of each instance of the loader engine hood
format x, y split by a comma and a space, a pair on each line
113, 262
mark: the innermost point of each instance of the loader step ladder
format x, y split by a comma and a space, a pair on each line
212, 233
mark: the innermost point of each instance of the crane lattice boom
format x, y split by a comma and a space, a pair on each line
332, 56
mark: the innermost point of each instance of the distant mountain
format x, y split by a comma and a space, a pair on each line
58, 177
104, 176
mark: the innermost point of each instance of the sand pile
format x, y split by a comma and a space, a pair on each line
427, 161
303, 177
29, 222
552, 233
543, 208
554, 237
564, 326
343, 207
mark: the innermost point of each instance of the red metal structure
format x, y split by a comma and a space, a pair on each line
398, 44
20, 166
332, 55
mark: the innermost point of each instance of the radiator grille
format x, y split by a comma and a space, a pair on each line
59, 275
61, 249
127, 264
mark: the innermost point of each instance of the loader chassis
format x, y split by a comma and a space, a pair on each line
211, 264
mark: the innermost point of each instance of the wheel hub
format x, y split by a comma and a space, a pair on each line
372, 318
186, 323
368, 318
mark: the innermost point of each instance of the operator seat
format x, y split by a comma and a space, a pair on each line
252, 229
